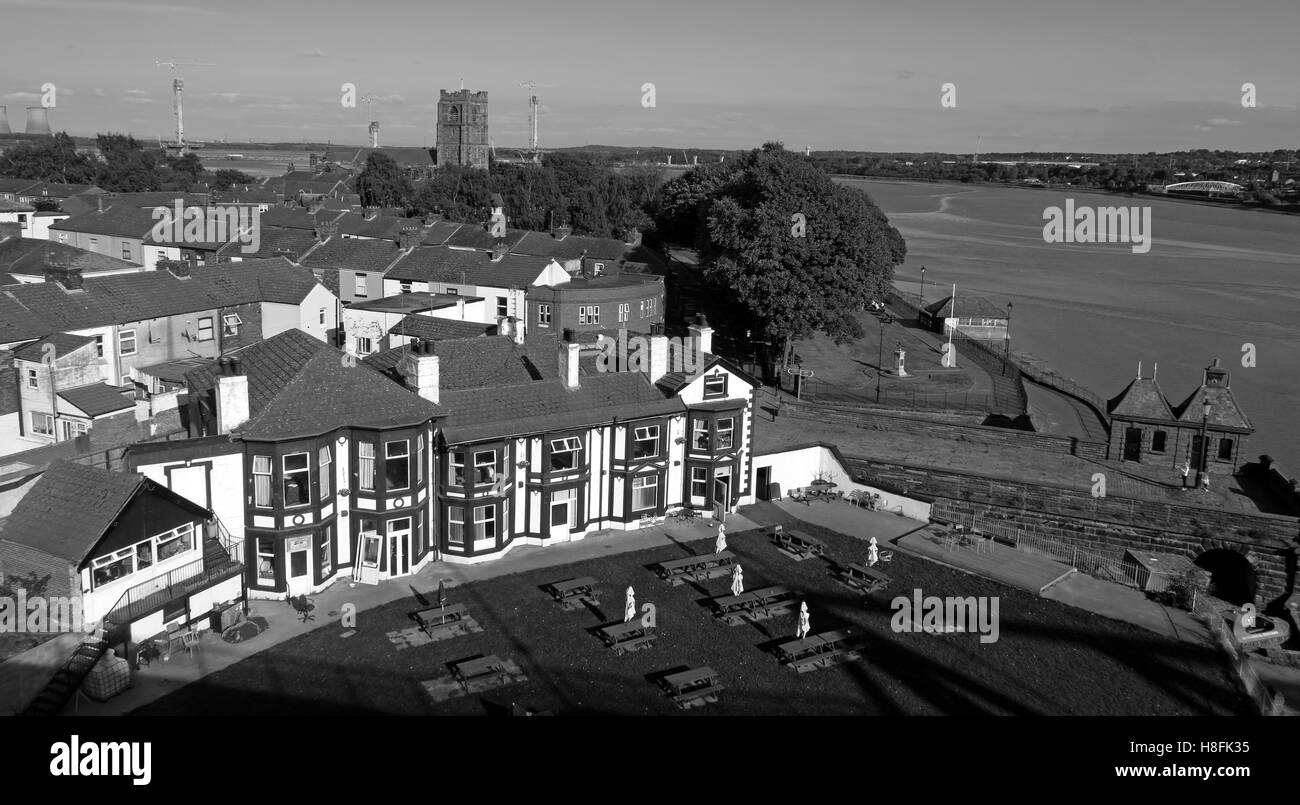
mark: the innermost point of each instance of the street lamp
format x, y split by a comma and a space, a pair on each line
922, 302
1006, 341
1205, 447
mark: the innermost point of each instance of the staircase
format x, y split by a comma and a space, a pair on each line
63, 686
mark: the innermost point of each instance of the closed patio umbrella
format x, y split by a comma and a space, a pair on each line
737, 581
629, 609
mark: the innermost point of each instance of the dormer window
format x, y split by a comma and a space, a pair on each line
715, 386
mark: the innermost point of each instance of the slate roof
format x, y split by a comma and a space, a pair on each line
968, 306
474, 236
29, 256
271, 280
439, 232
478, 363
97, 399
8, 185
674, 382
68, 510
544, 244
350, 254
299, 387
429, 328
1224, 410
442, 264
1141, 399
63, 343
15, 206
291, 187
383, 227
403, 156
57, 190
116, 219
297, 217
271, 240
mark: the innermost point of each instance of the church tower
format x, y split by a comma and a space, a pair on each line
463, 129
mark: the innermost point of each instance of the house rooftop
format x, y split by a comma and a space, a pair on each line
69, 508
62, 343
431, 328
351, 254
442, 264
29, 257
97, 399
968, 306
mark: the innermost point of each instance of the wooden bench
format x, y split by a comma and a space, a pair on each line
799, 545
799, 496
440, 618
822, 650
480, 670
756, 605
571, 592
696, 568
630, 636
694, 687
861, 577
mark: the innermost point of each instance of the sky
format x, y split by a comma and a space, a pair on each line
1109, 76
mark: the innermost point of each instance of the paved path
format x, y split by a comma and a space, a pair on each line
160, 678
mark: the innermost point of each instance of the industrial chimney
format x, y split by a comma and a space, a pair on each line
4, 121
37, 120
374, 134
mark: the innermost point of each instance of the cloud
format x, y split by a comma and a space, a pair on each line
22, 96
115, 6
903, 75
394, 99
97, 92
227, 97
313, 54
1223, 121
1199, 127
135, 92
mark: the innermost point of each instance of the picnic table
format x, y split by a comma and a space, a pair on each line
821, 650
440, 618
479, 669
756, 604
799, 544
693, 687
696, 568
629, 636
861, 577
570, 592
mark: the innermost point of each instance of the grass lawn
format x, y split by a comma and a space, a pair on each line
1050, 658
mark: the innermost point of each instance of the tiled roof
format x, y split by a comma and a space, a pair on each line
272, 239
63, 344
968, 306
150, 199
1142, 398
350, 254
297, 217
401, 303
117, 219
56, 190
475, 236
29, 256
439, 232
430, 328
441, 264
68, 510
291, 187
271, 280
172, 371
8, 185
97, 399
673, 382
543, 244
478, 363
15, 206
299, 386
1224, 410
384, 227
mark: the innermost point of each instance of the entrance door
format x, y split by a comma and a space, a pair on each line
366, 569
399, 547
564, 513
1132, 444
764, 481
722, 489
1198, 451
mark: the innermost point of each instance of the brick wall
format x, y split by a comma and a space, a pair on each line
17, 561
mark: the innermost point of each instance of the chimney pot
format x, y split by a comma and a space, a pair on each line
569, 353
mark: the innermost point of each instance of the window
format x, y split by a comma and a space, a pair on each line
94, 242
359, 286
624, 311
33, 381
297, 480
456, 469
178, 540
298, 564
485, 522
645, 492
205, 329
503, 306
143, 554
364, 345
453, 114
321, 316
397, 464
326, 557
99, 346
366, 466
485, 467
262, 481
715, 386
42, 424
700, 434
564, 453
454, 291
543, 315
405, 286
113, 567
505, 517
456, 525
324, 468
600, 270
419, 459
232, 322
126, 251
589, 314
1225, 449
126, 342
265, 560
699, 482
645, 441
725, 428
1158, 442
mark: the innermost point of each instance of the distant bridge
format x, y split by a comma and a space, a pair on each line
1211, 188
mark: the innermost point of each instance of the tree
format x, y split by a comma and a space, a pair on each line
127, 167
227, 178
382, 184
52, 160
795, 281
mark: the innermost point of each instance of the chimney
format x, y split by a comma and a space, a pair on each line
561, 232
503, 325
10, 229
370, 214
325, 230
569, 364
703, 335
460, 307
67, 276
517, 330
99, 199
420, 368
499, 251
179, 268
408, 237
658, 357
232, 395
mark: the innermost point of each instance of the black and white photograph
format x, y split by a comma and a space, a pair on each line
666, 360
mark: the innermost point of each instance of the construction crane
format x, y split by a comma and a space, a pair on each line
532, 115
178, 86
370, 101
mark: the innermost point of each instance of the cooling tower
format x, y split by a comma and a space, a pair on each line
4, 121
37, 121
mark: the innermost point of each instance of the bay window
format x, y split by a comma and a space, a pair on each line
262, 481
564, 453
325, 471
726, 426
645, 441
700, 434
485, 467
645, 492
297, 480
485, 522
366, 466
456, 469
265, 560
456, 525
397, 464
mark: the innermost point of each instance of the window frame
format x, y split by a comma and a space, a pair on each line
285, 475
269, 476
33, 379
638, 439
405, 457
488, 522
700, 426
566, 449
267, 557
543, 315
715, 393
122, 340
705, 481
199, 328
454, 479
360, 285
455, 525
1161, 438
1229, 443
653, 478
490, 465
730, 431
324, 472
365, 480
49, 420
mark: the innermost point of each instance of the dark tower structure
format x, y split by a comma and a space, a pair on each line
463, 129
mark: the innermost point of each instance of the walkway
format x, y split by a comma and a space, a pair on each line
160, 678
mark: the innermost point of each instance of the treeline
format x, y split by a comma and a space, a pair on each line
124, 166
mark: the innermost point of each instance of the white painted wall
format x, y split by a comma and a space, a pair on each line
798, 468
226, 479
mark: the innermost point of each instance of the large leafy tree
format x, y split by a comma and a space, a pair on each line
793, 280
52, 160
128, 167
381, 183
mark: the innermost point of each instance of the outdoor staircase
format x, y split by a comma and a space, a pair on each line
65, 682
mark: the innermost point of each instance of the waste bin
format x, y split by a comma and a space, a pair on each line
224, 616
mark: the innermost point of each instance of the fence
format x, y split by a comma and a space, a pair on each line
820, 391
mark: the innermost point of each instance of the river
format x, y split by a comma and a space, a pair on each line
1213, 281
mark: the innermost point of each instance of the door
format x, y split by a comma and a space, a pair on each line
564, 504
721, 501
764, 480
399, 547
1198, 452
1132, 444
366, 569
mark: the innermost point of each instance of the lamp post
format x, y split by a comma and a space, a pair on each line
921, 303
1205, 447
1006, 341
